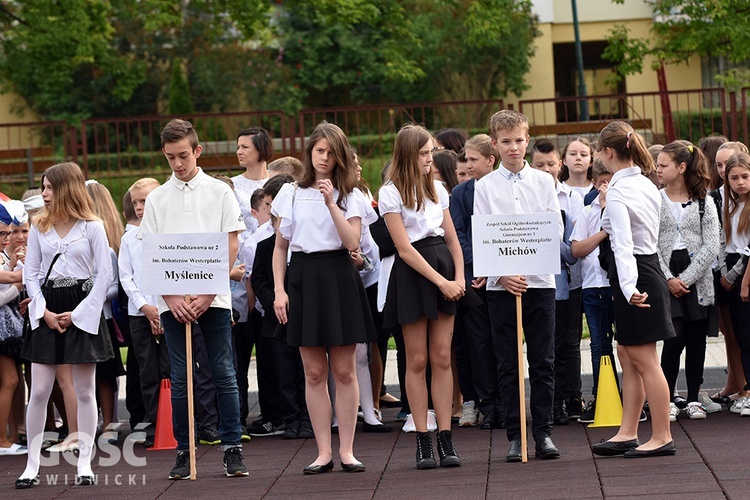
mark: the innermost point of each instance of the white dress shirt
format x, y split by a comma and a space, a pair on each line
529, 191
631, 219
130, 264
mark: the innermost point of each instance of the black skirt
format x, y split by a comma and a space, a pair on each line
108, 371
687, 306
327, 302
411, 296
11, 331
635, 325
74, 346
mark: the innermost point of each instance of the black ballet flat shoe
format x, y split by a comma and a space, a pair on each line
85, 480
355, 467
376, 428
23, 483
662, 451
318, 469
613, 448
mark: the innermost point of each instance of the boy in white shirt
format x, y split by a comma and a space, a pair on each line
191, 202
516, 188
147, 345
597, 294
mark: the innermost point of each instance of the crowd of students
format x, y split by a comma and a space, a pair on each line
654, 247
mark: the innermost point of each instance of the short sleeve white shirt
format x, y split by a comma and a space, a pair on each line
202, 205
588, 225
305, 221
420, 224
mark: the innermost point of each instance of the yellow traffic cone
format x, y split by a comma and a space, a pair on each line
608, 411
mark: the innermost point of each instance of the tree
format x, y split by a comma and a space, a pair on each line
683, 28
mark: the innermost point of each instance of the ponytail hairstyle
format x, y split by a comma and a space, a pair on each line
70, 198
697, 180
405, 173
742, 161
344, 177
565, 171
627, 145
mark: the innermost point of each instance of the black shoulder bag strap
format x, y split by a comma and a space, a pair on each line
54, 259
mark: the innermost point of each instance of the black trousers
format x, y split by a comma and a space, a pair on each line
289, 377
242, 344
567, 347
152, 360
477, 332
204, 391
538, 308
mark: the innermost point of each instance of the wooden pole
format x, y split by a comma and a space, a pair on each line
191, 406
521, 386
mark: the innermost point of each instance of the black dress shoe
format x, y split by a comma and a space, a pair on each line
546, 449
612, 448
379, 428
318, 469
514, 453
85, 480
355, 467
662, 451
489, 421
26, 483
560, 417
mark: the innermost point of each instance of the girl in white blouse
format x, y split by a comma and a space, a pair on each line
426, 282
65, 244
640, 293
320, 298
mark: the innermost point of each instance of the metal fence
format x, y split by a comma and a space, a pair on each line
119, 150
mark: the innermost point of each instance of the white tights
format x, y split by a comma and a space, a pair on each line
42, 380
365, 387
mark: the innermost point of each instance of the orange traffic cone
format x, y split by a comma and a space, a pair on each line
164, 437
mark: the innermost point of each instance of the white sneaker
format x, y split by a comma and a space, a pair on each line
431, 423
409, 424
15, 449
673, 412
695, 411
707, 403
738, 404
746, 409
469, 415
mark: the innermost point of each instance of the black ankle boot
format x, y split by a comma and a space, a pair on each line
425, 456
446, 451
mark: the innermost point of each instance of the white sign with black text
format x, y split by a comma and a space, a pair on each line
185, 264
520, 244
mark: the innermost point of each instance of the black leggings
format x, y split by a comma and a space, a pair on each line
691, 336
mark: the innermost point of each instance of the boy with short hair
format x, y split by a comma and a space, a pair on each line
189, 202
516, 188
150, 353
462, 169
288, 165
568, 401
597, 294
474, 323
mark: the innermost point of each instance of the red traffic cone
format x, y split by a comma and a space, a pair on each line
164, 437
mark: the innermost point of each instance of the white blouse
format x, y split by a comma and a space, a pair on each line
419, 224
739, 240
84, 247
243, 190
678, 210
305, 221
631, 219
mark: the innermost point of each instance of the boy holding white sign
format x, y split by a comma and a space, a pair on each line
193, 202
516, 188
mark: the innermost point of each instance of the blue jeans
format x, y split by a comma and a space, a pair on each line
600, 316
215, 324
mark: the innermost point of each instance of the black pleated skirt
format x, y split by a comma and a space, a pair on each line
411, 296
635, 325
74, 346
327, 302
